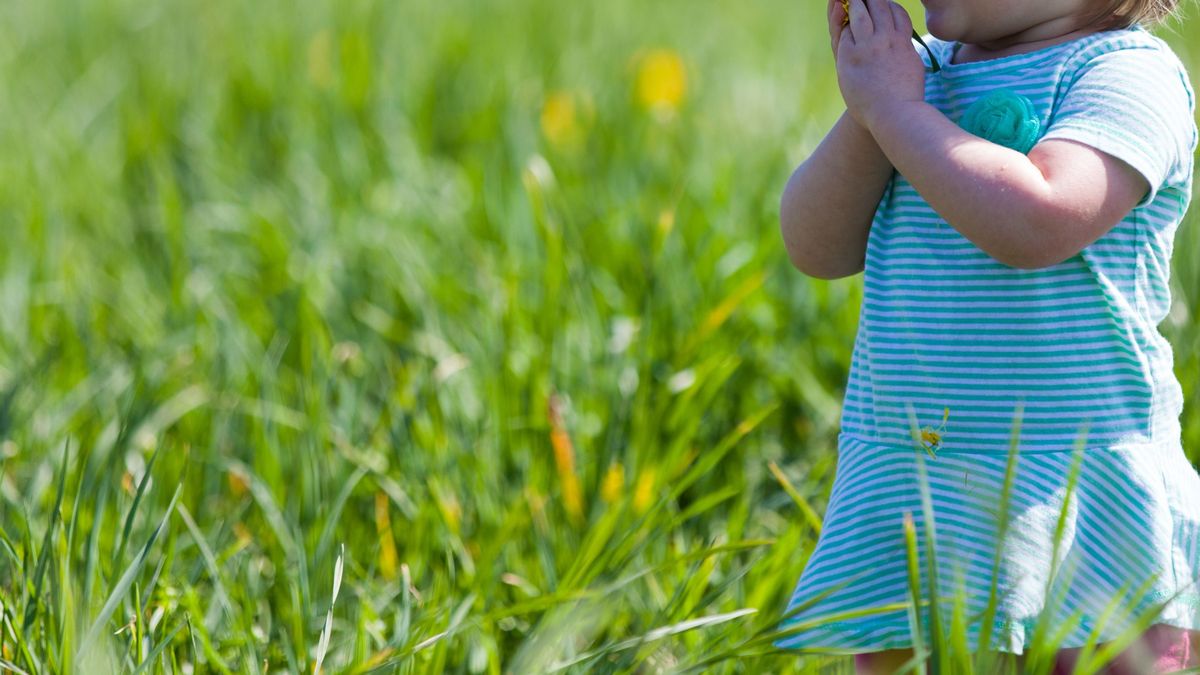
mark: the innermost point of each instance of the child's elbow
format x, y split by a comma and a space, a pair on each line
1037, 254
810, 257
823, 270
817, 264
1051, 235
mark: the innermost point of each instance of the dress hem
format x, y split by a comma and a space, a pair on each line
885, 444
1010, 636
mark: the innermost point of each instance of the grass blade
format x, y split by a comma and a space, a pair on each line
31, 606
122, 587
119, 558
914, 587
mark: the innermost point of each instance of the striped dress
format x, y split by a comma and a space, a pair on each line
955, 350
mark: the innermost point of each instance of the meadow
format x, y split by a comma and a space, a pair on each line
419, 337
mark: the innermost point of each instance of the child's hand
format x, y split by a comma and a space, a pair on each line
877, 65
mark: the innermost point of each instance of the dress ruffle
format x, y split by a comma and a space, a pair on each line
1133, 524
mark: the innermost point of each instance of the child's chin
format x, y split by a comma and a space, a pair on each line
939, 30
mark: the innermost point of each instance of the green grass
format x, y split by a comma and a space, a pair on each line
288, 293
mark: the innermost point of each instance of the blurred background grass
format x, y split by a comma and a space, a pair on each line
474, 311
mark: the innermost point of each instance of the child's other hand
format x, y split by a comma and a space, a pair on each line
877, 65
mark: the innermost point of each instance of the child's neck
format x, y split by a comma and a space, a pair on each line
1036, 38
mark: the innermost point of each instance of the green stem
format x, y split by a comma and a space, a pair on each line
932, 59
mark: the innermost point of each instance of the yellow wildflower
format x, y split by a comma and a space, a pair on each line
387, 545
238, 484
661, 81
614, 480
644, 491
564, 459
560, 119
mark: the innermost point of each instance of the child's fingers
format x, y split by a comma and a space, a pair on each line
836, 16
839, 11
881, 15
861, 25
903, 21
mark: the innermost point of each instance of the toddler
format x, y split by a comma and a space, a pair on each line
1011, 190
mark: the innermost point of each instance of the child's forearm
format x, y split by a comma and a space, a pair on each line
970, 181
826, 210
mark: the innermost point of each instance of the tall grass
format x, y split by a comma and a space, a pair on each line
417, 337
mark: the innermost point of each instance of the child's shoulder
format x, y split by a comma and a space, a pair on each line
1130, 54
1136, 41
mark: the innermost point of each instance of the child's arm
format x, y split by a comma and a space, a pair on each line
1025, 211
1052, 203
826, 209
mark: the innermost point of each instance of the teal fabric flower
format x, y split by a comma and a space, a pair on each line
1005, 118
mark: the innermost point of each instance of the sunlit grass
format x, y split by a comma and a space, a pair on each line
418, 337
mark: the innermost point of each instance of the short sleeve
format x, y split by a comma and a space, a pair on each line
1135, 104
